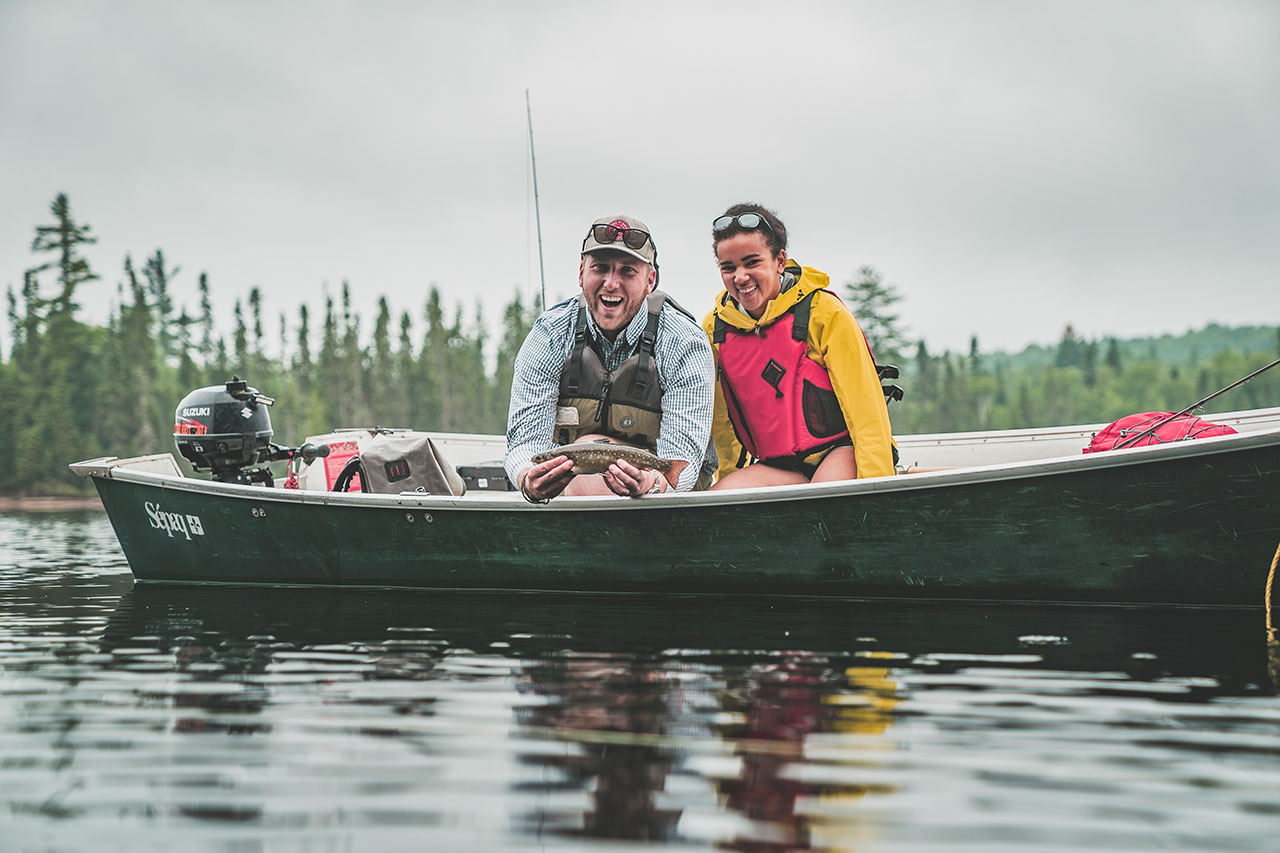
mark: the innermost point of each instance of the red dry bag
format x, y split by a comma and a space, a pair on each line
1181, 428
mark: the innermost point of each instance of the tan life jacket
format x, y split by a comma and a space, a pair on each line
625, 404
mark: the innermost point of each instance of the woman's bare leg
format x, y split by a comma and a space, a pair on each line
839, 464
759, 474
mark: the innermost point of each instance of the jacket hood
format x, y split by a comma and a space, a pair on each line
804, 280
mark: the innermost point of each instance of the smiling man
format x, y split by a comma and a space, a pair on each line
620, 361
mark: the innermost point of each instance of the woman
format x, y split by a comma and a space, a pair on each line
798, 399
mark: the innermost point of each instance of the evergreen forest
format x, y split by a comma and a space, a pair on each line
71, 390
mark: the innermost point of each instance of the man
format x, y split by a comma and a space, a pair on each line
619, 361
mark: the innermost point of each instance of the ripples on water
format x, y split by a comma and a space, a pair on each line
219, 718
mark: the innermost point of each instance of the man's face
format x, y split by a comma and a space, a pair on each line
614, 285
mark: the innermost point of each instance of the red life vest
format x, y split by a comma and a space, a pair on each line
780, 401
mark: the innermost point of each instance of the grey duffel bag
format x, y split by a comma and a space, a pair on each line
393, 462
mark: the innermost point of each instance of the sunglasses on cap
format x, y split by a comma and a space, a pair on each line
632, 238
746, 220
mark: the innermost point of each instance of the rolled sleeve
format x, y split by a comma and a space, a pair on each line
535, 388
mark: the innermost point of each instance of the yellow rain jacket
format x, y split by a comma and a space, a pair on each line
835, 342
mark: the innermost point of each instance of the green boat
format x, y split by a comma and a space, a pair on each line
1019, 516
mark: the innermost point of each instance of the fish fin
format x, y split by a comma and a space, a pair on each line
674, 467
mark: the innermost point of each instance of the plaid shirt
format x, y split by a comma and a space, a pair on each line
685, 374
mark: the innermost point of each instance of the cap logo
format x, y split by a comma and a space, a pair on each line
620, 223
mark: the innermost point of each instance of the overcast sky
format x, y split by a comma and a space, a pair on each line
1010, 166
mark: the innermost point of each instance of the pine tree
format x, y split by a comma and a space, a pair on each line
407, 378
59, 364
327, 363
516, 323
1112, 357
255, 312
382, 383
161, 302
1070, 349
432, 364
871, 300
139, 365
302, 366
353, 408
240, 339
206, 320
1090, 364
64, 238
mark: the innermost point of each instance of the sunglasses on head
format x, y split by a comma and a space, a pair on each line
746, 220
632, 238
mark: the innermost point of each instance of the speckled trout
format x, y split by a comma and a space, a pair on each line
595, 457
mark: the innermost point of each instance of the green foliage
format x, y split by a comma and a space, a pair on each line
944, 393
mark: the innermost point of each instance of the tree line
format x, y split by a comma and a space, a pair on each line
71, 390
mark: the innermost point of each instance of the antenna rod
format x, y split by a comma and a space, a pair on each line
537, 212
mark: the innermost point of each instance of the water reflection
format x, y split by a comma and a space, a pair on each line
753, 726
385, 720
638, 701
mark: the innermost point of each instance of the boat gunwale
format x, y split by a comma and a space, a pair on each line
111, 468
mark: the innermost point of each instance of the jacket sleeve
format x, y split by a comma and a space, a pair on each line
726, 440
836, 340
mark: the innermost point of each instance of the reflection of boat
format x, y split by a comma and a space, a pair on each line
927, 635
1019, 515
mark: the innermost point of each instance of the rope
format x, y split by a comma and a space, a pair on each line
1271, 577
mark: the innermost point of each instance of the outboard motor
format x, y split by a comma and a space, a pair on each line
225, 429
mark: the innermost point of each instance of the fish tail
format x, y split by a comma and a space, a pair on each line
673, 469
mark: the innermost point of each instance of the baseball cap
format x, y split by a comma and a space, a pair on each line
617, 228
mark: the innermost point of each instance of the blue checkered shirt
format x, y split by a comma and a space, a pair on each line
686, 375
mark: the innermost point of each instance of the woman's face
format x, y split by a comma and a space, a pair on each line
750, 271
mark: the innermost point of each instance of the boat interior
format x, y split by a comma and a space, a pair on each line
478, 458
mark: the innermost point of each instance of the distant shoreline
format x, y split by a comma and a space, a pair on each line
48, 504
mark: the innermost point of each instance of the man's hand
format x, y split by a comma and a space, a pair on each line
543, 482
628, 481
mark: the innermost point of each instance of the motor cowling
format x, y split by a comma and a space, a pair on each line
223, 428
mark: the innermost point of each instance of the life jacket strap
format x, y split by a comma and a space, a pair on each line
640, 380
720, 330
579, 344
800, 320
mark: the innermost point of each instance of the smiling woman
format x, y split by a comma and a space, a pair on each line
799, 398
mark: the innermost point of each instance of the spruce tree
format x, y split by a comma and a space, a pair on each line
60, 367
158, 279
206, 320
302, 366
1070, 349
871, 300
64, 238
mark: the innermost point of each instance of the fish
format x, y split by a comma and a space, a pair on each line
595, 457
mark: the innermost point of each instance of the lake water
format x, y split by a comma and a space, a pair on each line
209, 718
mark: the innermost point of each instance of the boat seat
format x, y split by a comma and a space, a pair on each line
485, 477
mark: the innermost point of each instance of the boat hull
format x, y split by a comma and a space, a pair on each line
1180, 525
